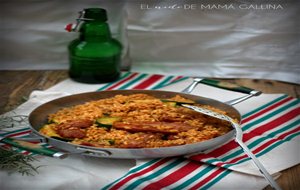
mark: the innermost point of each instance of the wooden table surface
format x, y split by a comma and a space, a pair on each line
15, 87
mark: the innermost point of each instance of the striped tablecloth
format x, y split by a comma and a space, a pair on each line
271, 128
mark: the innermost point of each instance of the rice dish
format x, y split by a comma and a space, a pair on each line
134, 121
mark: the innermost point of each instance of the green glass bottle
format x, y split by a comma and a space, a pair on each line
95, 56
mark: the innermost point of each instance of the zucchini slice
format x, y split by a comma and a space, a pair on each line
111, 141
107, 122
174, 103
53, 120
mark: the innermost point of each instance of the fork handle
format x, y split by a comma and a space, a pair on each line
229, 86
261, 168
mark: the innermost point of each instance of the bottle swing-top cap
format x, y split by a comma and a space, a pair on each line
87, 15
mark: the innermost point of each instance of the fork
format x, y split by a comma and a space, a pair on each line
238, 139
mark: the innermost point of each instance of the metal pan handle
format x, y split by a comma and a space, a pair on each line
36, 148
92, 152
224, 85
32, 147
227, 86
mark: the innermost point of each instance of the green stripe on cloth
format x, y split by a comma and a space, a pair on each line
278, 143
133, 170
124, 75
164, 82
216, 180
256, 143
252, 145
170, 82
250, 125
270, 115
196, 177
140, 180
138, 168
15, 131
133, 81
167, 80
264, 106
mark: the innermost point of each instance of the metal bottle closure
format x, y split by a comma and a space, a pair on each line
71, 27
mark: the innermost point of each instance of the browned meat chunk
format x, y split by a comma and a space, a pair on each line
71, 133
73, 129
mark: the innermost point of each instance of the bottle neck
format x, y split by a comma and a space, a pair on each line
95, 31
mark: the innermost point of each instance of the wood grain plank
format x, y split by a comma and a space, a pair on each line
16, 86
289, 180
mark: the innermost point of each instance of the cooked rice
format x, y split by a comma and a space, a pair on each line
136, 109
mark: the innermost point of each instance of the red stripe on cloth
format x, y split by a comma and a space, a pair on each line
266, 110
148, 82
122, 81
177, 78
208, 178
272, 124
261, 147
247, 136
141, 172
174, 176
279, 138
20, 133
